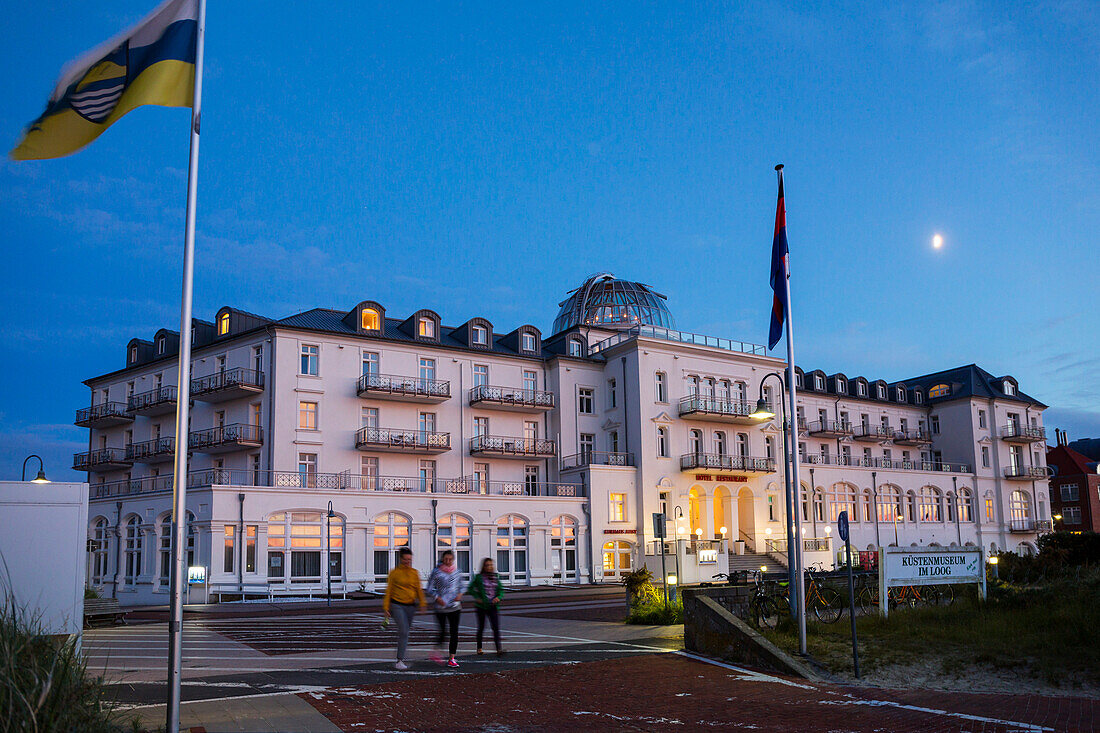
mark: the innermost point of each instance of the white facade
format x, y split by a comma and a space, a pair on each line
549, 456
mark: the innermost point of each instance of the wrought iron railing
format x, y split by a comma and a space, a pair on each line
681, 337
225, 435
912, 436
90, 459
403, 386
897, 464
402, 439
102, 411
1013, 430
716, 406
815, 544
152, 398
505, 445
830, 426
227, 379
1025, 472
511, 396
721, 462
155, 448
597, 458
876, 432
1021, 525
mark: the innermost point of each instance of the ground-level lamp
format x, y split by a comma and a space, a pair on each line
993, 560
41, 477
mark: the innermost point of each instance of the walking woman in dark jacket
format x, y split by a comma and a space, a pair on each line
487, 593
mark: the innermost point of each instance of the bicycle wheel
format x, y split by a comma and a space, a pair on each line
942, 595
867, 599
827, 605
764, 613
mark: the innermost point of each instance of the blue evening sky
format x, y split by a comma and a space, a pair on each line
482, 159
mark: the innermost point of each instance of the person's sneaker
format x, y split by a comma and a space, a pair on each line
435, 657
400, 666
452, 663
480, 650
500, 652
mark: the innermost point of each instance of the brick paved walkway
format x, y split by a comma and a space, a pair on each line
669, 692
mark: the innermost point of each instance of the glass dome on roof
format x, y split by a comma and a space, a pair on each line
607, 302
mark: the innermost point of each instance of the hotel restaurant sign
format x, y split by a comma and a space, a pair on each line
930, 566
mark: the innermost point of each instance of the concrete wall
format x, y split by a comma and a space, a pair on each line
42, 547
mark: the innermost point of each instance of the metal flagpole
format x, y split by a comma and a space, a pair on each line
800, 586
178, 575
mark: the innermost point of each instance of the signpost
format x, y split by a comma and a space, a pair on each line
659, 533
929, 566
842, 530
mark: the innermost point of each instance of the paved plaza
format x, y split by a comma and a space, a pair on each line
310, 668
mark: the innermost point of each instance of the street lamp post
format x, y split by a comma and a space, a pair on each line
328, 552
41, 477
764, 412
679, 531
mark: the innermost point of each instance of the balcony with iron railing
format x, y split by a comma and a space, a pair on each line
597, 458
405, 389
229, 384
344, 481
719, 409
894, 464
226, 438
400, 440
830, 429
872, 433
159, 401
1025, 473
103, 459
912, 437
1015, 433
513, 399
1021, 526
501, 446
679, 337
103, 415
152, 451
722, 462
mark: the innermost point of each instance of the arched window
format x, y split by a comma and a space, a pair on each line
453, 533
371, 320
720, 442
662, 441
931, 508
949, 507
1009, 388
223, 324
911, 506
805, 504
302, 534
101, 536
819, 505
723, 393
695, 442
660, 387
133, 550
616, 558
842, 498
966, 506
166, 545
512, 548
889, 508
563, 547
743, 445
1019, 506
901, 394
391, 533
575, 347
868, 506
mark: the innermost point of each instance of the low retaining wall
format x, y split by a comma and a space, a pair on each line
712, 630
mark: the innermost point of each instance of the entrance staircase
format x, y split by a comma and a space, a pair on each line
752, 561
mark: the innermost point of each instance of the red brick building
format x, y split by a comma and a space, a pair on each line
1074, 488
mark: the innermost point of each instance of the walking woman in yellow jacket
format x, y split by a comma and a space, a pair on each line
403, 594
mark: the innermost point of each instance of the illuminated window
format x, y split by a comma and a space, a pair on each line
931, 507
230, 538
966, 506
480, 335
453, 533
391, 533
563, 547
307, 415
618, 507
372, 321
989, 512
511, 544
616, 558
305, 533
426, 328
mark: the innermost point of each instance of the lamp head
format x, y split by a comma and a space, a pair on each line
40, 478
993, 560
722, 530
762, 411
698, 531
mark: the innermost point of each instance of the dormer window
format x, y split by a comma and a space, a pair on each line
371, 320
881, 392
133, 354
918, 397
426, 328
841, 386
480, 335
901, 394
861, 389
223, 324
575, 347
161, 345
798, 380
527, 342
819, 382
1009, 388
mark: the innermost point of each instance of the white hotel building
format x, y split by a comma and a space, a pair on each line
345, 435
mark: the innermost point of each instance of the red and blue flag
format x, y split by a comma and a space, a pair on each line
780, 271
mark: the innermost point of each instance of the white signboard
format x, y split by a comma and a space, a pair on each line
931, 567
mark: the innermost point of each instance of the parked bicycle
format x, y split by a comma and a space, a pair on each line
905, 595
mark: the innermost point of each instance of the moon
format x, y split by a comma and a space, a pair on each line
937, 241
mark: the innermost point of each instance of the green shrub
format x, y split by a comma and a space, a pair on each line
639, 584
90, 593
44, 685
656, 614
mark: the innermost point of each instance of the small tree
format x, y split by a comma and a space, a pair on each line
639, 585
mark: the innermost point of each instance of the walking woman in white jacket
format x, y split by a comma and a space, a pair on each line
444, 591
